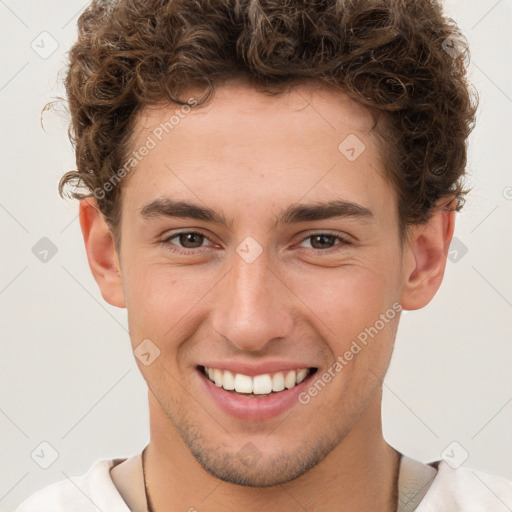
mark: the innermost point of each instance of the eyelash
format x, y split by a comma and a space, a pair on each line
167, 242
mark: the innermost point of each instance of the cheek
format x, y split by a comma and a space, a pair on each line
160, 299
152, 299
350, 298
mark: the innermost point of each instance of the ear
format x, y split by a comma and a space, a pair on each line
424, 259
101, 252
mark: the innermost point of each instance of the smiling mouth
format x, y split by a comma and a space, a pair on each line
259, 385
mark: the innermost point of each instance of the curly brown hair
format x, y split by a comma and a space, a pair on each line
391, 56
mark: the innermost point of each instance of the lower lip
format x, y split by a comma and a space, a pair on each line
254, 408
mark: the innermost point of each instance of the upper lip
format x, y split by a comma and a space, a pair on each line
252, 369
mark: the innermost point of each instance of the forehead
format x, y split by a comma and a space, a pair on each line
244, 147
236, 105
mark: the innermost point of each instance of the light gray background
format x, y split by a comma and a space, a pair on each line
68, 376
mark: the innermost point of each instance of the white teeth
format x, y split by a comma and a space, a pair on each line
243, 383
301, 375
290, 379
259, 384
217, 377
229, 381
278, 382
262, 385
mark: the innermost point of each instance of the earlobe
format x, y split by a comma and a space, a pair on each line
424, 260
101, 252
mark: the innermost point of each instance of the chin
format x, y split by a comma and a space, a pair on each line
254, 465
273, 471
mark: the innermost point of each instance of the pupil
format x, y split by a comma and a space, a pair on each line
323, 242
188, 238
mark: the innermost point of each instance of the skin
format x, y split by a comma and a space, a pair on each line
249, 156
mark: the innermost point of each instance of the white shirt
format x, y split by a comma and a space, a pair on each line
432, 487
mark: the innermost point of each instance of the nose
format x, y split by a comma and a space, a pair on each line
254, 307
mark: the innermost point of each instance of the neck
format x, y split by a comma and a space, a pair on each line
360, 474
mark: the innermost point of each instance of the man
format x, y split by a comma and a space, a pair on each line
268, 185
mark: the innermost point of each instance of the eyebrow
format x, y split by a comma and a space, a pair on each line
295, 213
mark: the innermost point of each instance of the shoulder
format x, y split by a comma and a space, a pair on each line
91, 491
466, 490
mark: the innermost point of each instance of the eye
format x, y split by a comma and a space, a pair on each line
325, 241
188, 240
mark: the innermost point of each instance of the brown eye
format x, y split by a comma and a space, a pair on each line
190, 240
185, 242
322, 241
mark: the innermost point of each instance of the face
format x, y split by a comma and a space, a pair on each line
254, 245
